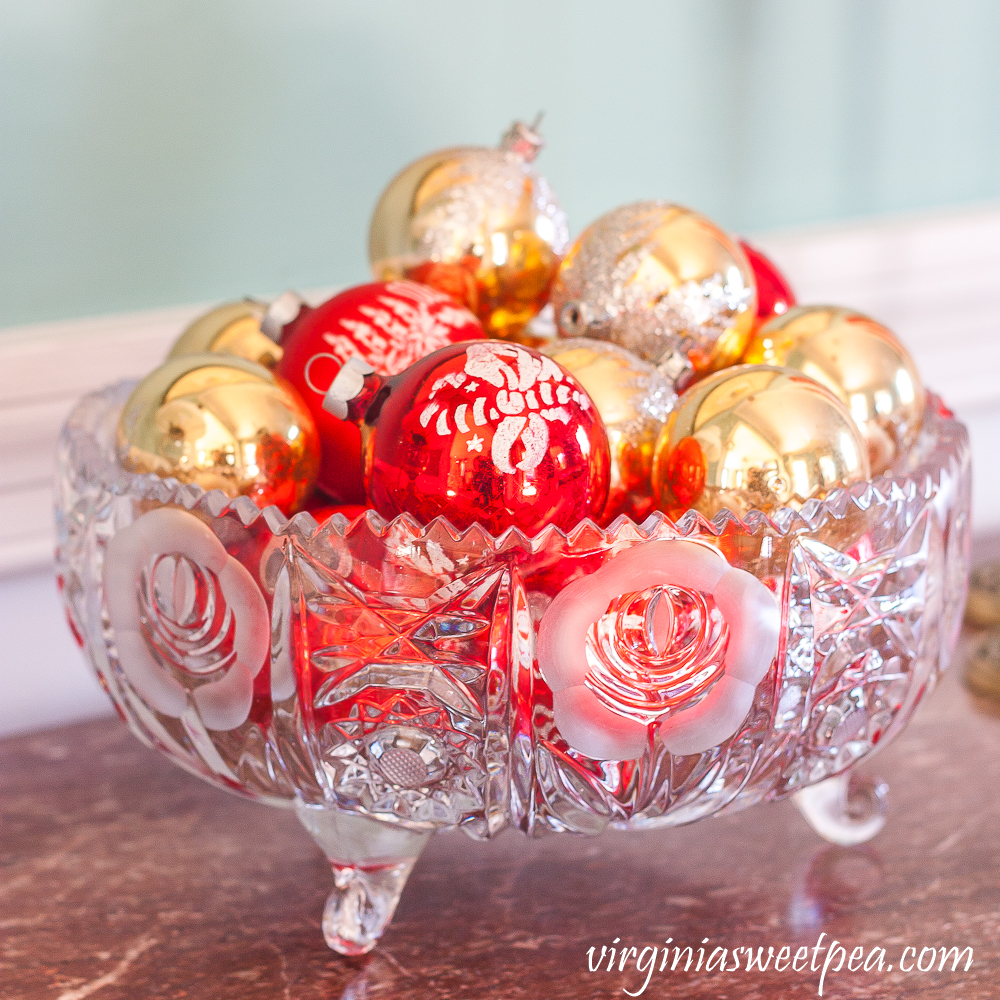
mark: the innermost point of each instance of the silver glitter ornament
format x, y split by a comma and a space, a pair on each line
663, 282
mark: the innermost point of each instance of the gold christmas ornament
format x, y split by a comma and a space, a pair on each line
247, 329
480, 224
860, 361
224, 423
982, 606
755, 437
633, 400
662, 281
982, 667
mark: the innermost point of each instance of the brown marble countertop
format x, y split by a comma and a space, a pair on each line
122, 877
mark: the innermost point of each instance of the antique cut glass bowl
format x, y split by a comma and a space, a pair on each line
383, 680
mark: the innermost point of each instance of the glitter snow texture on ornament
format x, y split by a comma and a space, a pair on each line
488, 432
388, 324
662, 281
478, 213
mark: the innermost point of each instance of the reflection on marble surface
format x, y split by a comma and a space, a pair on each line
117, 867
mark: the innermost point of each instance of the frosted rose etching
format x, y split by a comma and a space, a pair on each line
666, 633
531, 392
190, 622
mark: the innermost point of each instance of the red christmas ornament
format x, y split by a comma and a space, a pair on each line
490, 432
632, 505
390, 325
774, 294
322, 512
457, 280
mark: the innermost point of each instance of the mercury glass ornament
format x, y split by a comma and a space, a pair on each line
662, 281
477, 223
755, 437
224, 423
479, 431
247, 329
633, 399
857, 359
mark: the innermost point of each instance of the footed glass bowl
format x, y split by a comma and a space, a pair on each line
383, 679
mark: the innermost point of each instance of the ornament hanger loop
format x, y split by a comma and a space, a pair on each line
524, 140
305, 372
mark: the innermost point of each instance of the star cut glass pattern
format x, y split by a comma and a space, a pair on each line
400, 693
396, 686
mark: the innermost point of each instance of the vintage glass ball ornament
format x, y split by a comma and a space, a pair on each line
223, 423
755, 437
857, 359
774, 294
662, 281
477, 223
322, 511
633, 400
247, 329
982, 606
982, 666
388, 324
485, 431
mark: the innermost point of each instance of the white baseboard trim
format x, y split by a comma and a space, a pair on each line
933, 278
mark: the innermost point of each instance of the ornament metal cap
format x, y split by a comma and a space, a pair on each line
576, 319
524, 140
349, 382
676, 369
280, 313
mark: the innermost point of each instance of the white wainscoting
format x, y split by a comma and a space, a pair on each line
933, 278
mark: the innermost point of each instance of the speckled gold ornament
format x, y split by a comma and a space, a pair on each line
224, 423
633, 400
248, 329
982, 606
662, 281
479, 224
758, 437
860, 361
982, 666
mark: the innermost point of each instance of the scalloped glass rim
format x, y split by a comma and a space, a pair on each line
915, 473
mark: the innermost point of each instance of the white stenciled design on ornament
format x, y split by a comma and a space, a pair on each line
410, 322
428, 412
527, 387
510, 365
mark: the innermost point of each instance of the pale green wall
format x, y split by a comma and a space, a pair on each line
154, 153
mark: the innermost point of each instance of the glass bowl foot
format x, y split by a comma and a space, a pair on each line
846, 809
371, 862
362, 904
